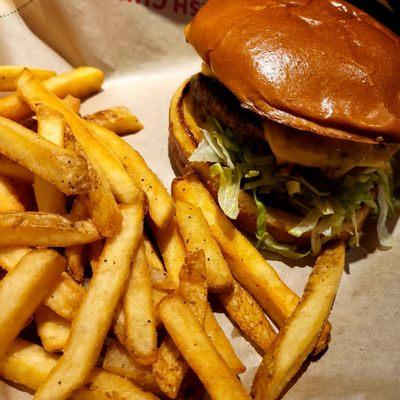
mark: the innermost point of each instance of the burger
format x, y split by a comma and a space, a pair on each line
293, 124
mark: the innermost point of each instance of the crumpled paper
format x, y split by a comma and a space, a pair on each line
141, 47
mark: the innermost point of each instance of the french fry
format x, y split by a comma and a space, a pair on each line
10, 73
108, 174
13, 170
222, 343
172, 249
117, 119
51, 126
44, 230
95, 314
95, 250
65, 295
77, 255
73, 103
170, 368
193, 284
11, 256
56, 165
119, 361
198, 351
247, 265
80, 82
26, 285
248, 316
299, 336
196, 235
53, 330
29, 365
99, 155
10, 199
161, 206
141, 334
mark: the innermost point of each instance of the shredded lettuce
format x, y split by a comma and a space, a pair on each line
254, 168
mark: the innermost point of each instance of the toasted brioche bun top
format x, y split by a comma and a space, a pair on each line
322, 66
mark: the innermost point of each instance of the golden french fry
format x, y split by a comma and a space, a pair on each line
247, 265
197, 349
95, 250
29, 365
77, 255
141, 334
11, 169
248, 316
193, 284
170, 368
222, 343
80, 82
95, 314
196, 235
172, 249
151, 254
10, 73
117, 119
107, 172
26, 285
10, 198
51, 126
44, 230
56, 165
53, 330
119, 361
98, 153
299, 336
73, 103
11, 256
65, 295
161, 206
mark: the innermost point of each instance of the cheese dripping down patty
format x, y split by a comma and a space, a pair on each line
334, 156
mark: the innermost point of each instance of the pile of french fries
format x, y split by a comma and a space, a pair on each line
106, 278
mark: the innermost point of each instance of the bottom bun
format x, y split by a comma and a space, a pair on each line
184, 137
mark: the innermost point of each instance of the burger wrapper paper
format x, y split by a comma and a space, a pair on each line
141, 47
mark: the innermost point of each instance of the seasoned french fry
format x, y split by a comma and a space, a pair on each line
172, 249
59, 166
10, 73
51, 126
95, 250
247, 265
300, 334
248, 316
193, 284
196, 235
95, 314
29, 364
13, 170
119, 361
222, 343
117, 119
77, 255
151, 254
73, 103
170, 368
10, 199
80, 82
65, 295
107, 174
53, 330
141, 334
44, 230
198, 351
161, 206
26, 285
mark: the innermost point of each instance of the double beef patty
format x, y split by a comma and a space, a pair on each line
211, 97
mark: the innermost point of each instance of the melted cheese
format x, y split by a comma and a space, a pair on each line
334, 156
